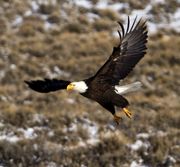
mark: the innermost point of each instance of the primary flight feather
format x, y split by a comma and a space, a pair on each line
104, 87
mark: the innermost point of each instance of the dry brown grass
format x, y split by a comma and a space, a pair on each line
79, 48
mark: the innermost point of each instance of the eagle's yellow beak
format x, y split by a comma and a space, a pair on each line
70, 87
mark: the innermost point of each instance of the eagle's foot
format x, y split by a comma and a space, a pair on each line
127, 112
117, 119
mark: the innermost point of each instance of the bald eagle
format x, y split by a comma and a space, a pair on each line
103, 87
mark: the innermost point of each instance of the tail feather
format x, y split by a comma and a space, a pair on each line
128, 88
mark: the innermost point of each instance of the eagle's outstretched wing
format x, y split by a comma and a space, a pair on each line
126, 55
47, 85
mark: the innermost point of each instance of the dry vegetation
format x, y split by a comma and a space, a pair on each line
61, 129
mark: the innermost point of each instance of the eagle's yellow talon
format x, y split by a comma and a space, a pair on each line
117, 119
127, 112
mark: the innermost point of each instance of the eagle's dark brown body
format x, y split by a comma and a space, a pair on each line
104, 95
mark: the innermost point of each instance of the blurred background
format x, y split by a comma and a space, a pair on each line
71, 39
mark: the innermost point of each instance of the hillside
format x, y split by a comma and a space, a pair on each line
71, 40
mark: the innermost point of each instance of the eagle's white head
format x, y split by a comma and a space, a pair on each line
80, 86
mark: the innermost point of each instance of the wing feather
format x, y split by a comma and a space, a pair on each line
127, 54
122, 28
47, 85
128, 25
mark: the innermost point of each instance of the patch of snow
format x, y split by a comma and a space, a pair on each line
111, 126
12, 66
157, 2
34, 6
93, 141
154, 2
1, 125
40, 118
92, 16
136, 164
2, 165
72, 128
175, 21
63, 14
90, 127
138, 145
35, 146
10, 137
51, 164
60, 72
92, 130
70, 100
55, 73
82, 3
104, 4
47, 2
171, 159
82, 165
173, 24
143, 135
48, 25
51, 134
28, 13
177, 14
2, 74
3, 98
43, 16
41, 128
83, 143
101, 4
17, 21
119, 6
161, 133
142, 12
29, 133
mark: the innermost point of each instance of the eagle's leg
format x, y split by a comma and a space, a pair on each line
117, 119
127, 112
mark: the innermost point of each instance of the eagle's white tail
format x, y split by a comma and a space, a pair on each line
128, 88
